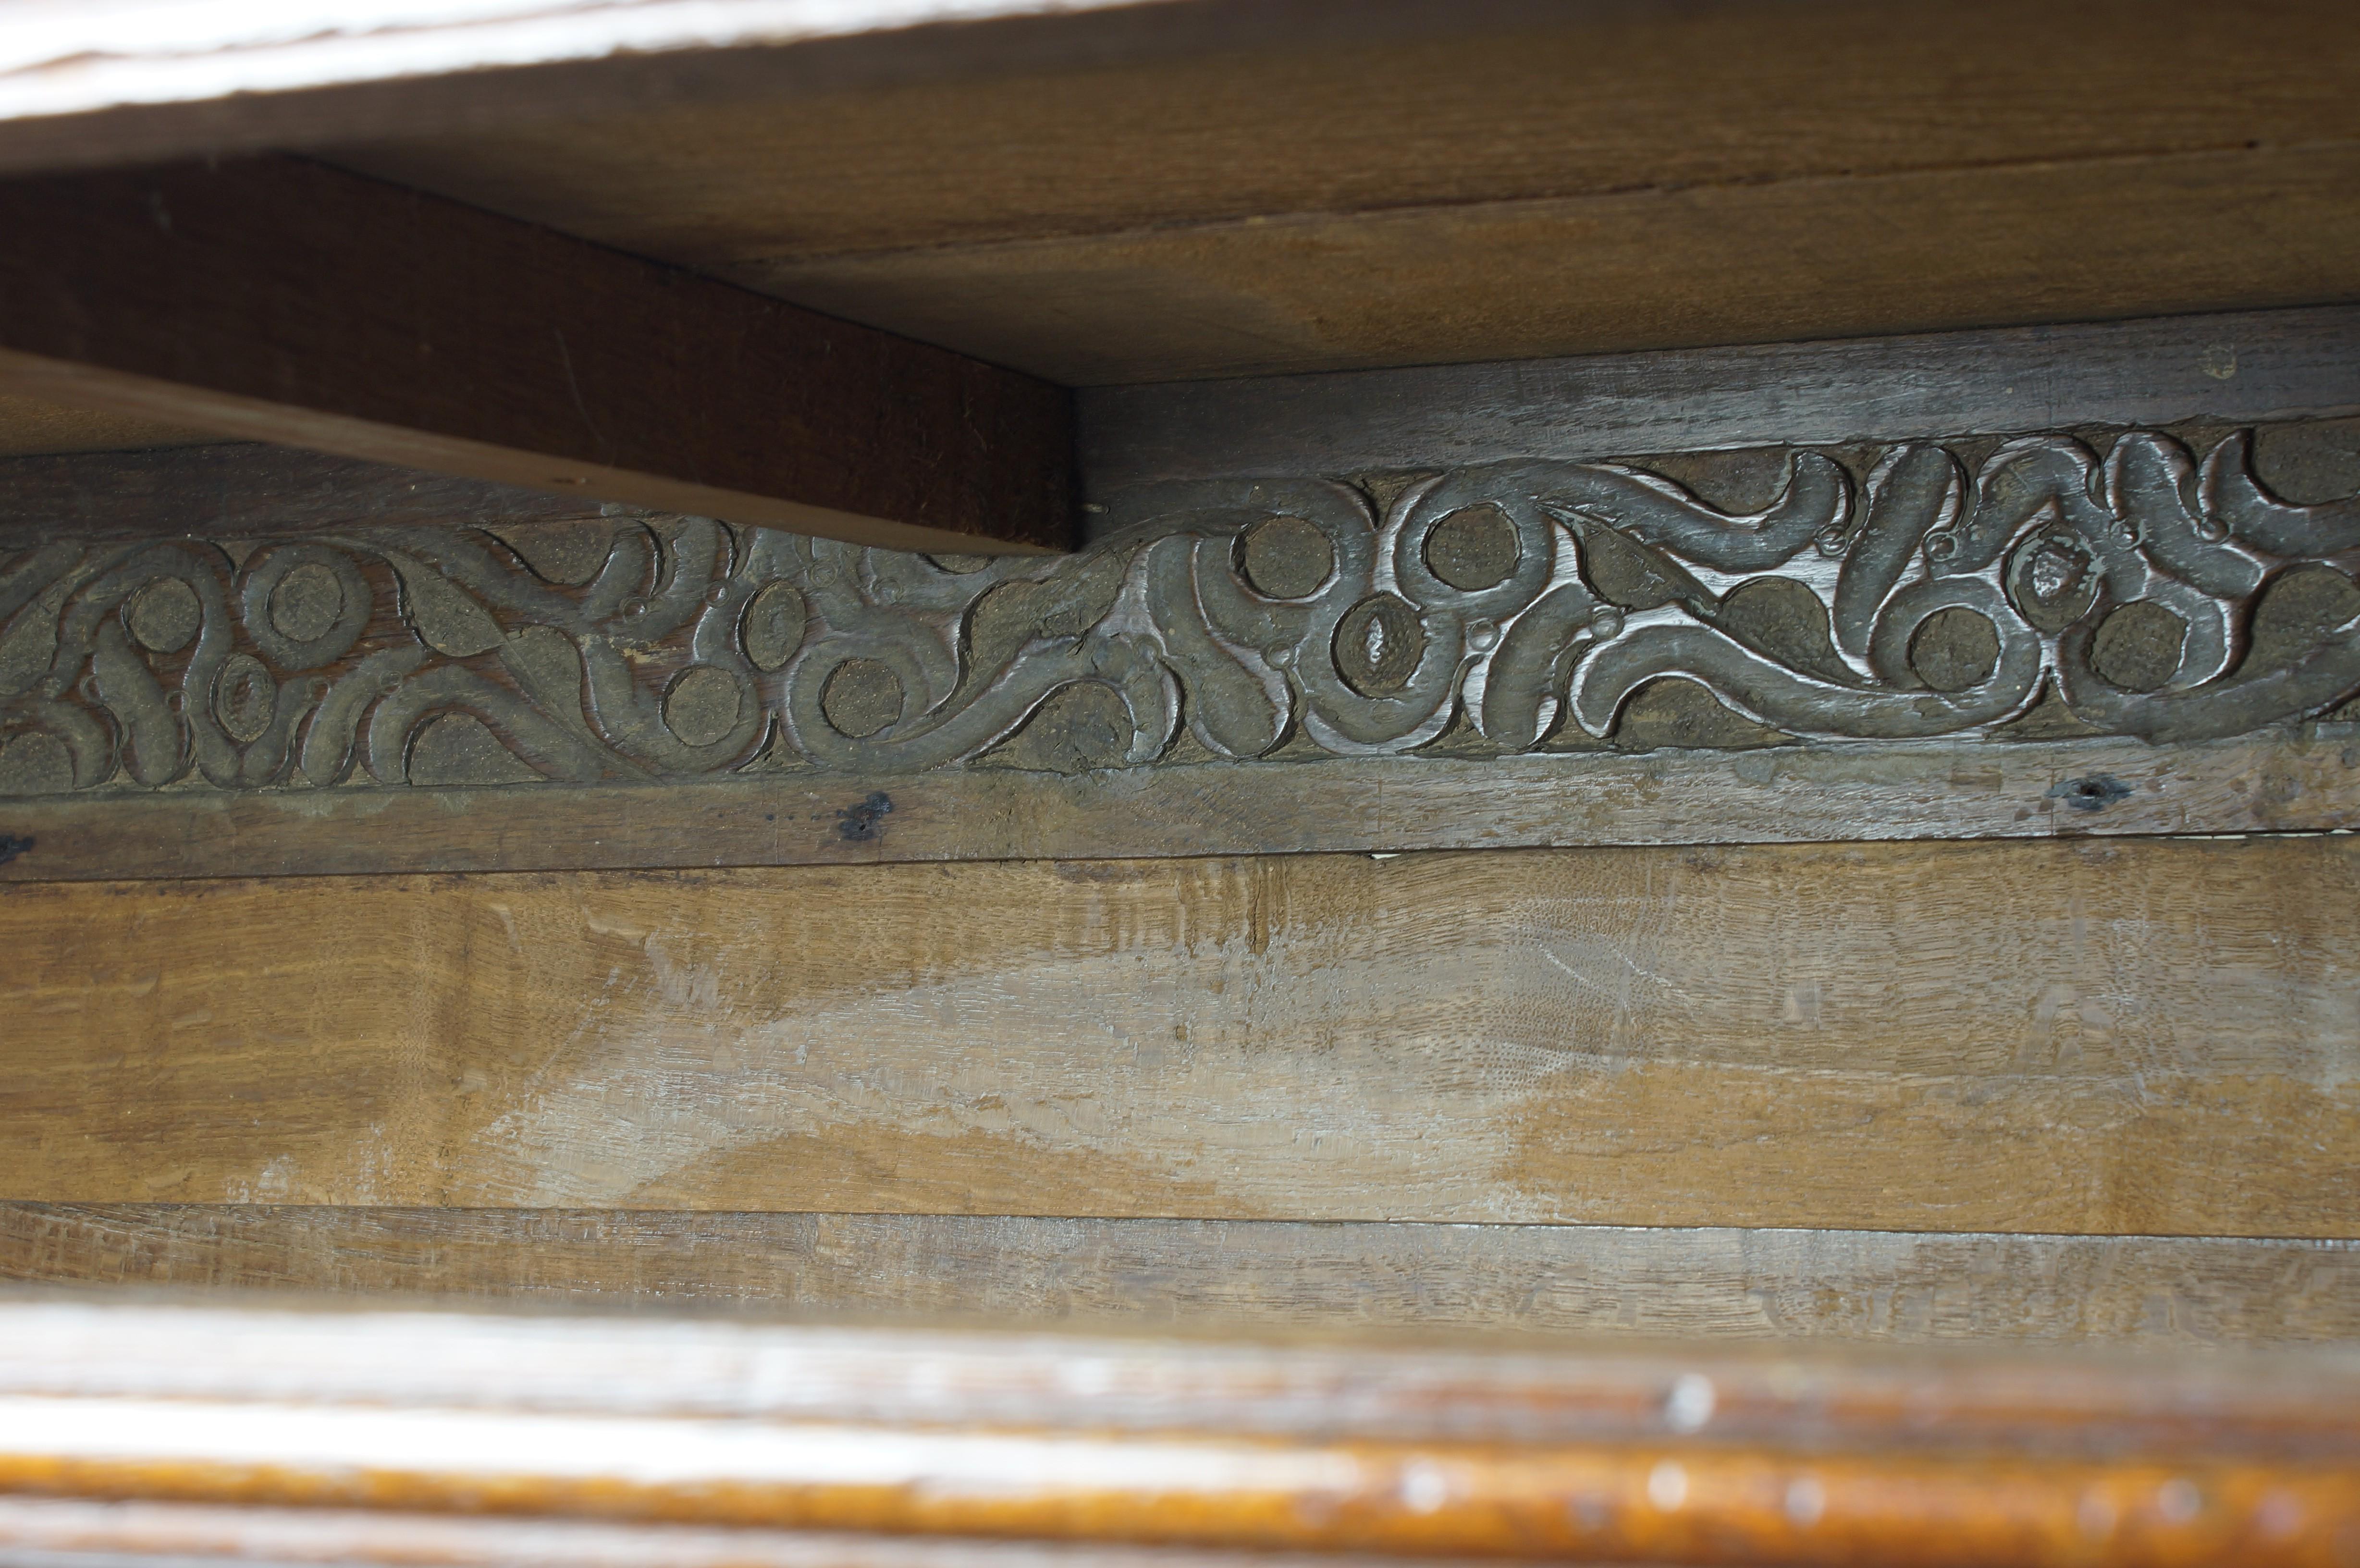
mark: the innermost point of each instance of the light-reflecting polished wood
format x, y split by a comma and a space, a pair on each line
1661, 1455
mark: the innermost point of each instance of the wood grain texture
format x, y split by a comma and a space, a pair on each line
2261, 365
2121, 1038
2150, 1292
46, 1530
81, 87
283, 300
2308, 781
1668, 267
1689, 1454
30, 425
1580, 100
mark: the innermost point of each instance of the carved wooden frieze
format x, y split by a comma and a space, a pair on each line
2148, 585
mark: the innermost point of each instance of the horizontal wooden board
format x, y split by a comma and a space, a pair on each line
1678, 1454
2239, 368
1652, 267
1580, 99
34, 425
2106, 1037
1710, 1282
43, 1531
2303, 782
79, 88
1139, 192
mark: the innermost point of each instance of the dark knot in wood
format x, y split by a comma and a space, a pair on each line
863, 822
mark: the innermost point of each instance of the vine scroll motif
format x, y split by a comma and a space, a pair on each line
1524, 603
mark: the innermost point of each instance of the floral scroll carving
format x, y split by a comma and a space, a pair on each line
2147, 586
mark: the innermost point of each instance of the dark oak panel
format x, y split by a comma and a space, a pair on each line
2181, 587
287, 301
2262, 366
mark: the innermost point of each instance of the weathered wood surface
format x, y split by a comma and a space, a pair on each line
2154, 584
283, 301
2133, 1036
2154, 1292
1677, 1454
1607, 177
2306, 782
2256, 367
79, 87
1659, 267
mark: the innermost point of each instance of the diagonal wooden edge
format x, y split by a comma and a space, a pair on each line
279, 298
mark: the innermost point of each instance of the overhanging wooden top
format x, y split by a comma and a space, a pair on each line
1103, 195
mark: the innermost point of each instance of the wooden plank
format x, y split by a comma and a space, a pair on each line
1476, 104
251, 490
1852, 618
2262, 365
2124, 1037
1677, 1454
283, 300
1606, 177
2150, 1292
29, 425
83, 88
1654, 268
2303, 782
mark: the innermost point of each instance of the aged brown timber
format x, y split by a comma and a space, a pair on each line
283, 301
1723, 1455
2124, 1037
2304, 781
84, 87
2174, 587
2273, 367
1605, 177
1715, 1282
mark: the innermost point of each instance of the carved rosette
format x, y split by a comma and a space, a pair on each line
1515, 607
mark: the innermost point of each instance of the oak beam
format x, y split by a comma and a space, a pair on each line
280, 300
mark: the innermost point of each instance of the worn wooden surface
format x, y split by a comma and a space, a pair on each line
2303, 782
2256, 367
2155, 1293
2126, 1037
2177, 586
1677, 1454
77, 87
1608, 177
1661, 267
283, 300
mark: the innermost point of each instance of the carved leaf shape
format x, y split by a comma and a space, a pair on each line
445, 616
1013, 613
1633, 575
